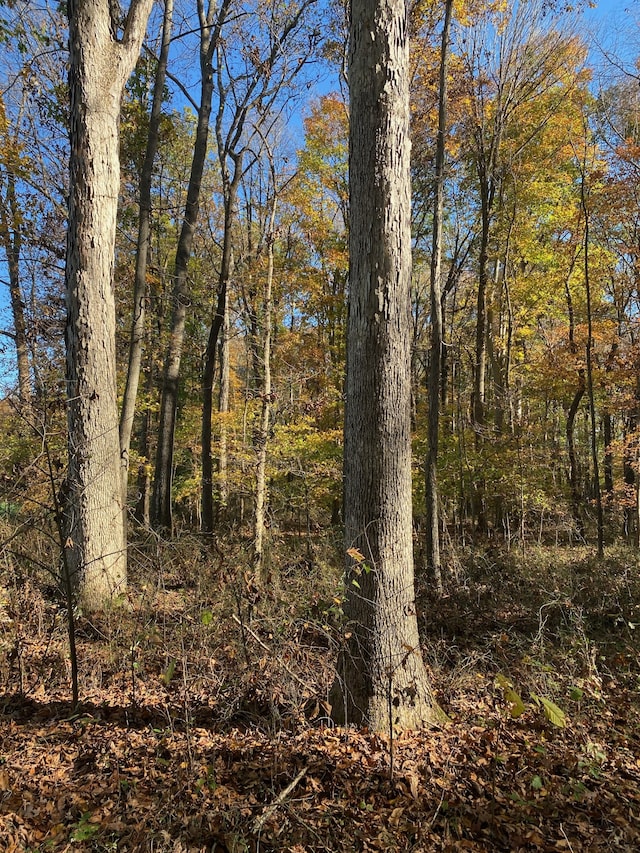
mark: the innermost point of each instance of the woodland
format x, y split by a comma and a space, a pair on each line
320, 418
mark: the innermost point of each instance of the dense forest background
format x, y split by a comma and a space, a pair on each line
539, 372
538, 387
231, 288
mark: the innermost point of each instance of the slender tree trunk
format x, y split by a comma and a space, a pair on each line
608, 433
589, 364
251, 97
161, 508
259, 563
628, 461
142, 510
10, 233
223, 409
432, 554
99, 68
574, 470
607, 430
381, 679
226, 265
142, 250
480, 367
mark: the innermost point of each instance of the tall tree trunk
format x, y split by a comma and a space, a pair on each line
259, 564
142, 509
432, 553
99, 68
11, 235
142, 250
231, 186
480, 366
252, 96
629, 458
574, 470
161, 507
589, 364
223, 409
381, 679
607, 431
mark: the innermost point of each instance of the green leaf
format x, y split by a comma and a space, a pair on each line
555, 715
516, 705
84, 830
536, 783
206, 617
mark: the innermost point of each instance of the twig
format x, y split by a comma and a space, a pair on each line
260, 821
566, 838
300, 681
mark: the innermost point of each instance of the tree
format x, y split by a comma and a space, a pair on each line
251, 100
520, 68
381, 679
262, 436
12, 163
142, 249
435, 364
210, 32
585, 192
100, 62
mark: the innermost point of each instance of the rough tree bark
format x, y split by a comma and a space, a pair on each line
381, 679
100, 63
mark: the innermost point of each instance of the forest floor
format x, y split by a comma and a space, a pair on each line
204, 725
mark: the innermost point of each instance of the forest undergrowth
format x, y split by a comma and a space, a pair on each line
204, 723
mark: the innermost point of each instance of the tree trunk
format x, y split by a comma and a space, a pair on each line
480, 366
10, 233
589, 364
142, 509
381, 679
432, 555
99, 68
574, 471
231, 186
161, 507
223, 409
628, 460
142, 250
607, 430
259, 564
252, 96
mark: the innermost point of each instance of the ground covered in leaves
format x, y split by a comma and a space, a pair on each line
204, 724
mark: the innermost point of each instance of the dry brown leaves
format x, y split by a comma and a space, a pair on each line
105, 782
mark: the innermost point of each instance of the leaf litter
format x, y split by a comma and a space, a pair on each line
219, 741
